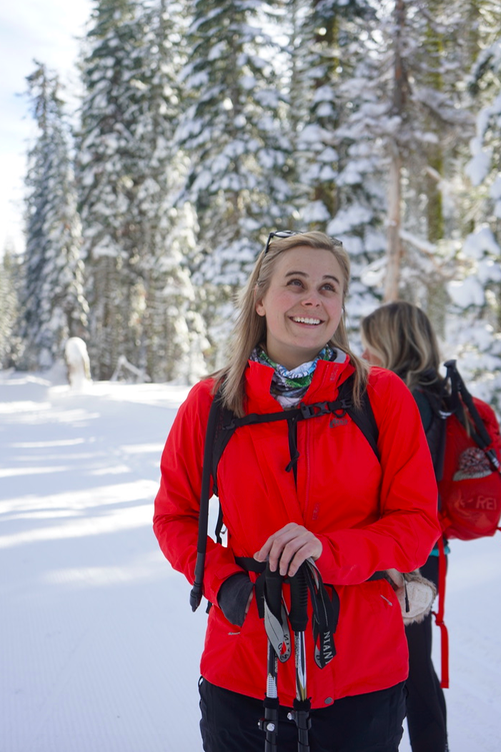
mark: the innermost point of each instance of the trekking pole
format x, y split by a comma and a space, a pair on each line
480, 435
279, 649
272, 612
298, 618
270, 722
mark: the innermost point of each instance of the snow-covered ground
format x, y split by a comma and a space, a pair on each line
99, 649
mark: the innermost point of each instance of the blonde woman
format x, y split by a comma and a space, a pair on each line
313, 492
399, 336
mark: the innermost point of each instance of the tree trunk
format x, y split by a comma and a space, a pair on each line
394, 249
400, 89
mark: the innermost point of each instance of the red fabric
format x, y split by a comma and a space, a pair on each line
470, 490
370, 515
439, 615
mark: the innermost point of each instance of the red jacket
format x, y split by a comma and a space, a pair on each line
370, 515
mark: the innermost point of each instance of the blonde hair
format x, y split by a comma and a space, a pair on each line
401, 336
250, 328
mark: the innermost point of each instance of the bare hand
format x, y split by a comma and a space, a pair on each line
288, 548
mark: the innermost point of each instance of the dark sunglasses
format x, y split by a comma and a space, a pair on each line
278, 234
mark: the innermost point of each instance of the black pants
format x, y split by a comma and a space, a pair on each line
426, 710
365, 723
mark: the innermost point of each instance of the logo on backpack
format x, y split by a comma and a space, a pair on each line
472, 463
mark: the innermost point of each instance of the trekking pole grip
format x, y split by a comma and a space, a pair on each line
298, 616
273, 589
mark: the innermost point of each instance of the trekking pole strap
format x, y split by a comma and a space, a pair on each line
298, 616
480, 435
324, 600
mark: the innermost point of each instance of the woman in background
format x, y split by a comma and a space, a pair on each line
399, 336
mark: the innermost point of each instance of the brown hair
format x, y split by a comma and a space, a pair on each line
250, 328
401, 336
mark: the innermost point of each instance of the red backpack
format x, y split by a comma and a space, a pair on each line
469, 478
470, 483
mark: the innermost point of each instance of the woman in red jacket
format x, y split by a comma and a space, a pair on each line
316, 492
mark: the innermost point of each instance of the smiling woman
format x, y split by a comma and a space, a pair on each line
303, 501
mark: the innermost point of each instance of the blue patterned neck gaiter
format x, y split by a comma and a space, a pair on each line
288, 387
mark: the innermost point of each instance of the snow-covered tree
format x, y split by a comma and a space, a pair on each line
340, 176
105, 163
139, 286
52, 305
233, 132
403, 124
427, 122
10, 278
326, 43
476, 289
172, 332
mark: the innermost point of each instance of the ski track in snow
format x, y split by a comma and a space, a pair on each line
99, 649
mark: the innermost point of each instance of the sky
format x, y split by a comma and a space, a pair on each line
99, 648
48, 31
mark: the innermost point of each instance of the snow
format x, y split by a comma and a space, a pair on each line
466, 292
478, 166
99, 647
480, 242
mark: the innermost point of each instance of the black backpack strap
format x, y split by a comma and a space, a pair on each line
225, 428
362, 416
203, 518
426, 408
432, 408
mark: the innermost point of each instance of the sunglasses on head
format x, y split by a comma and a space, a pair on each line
278, 234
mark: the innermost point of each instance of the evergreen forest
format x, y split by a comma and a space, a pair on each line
201, 126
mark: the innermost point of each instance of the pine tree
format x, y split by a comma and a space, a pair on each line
105, 159
476, 289
172, 335
325, 46
340, 173
232, 133
404, 115
52, 305
10, 278
139, 287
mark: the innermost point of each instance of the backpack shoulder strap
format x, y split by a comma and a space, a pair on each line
362, 416
225, 427
433, 417
426, 408
203, 518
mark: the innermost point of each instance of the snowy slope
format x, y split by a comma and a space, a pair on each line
99, 649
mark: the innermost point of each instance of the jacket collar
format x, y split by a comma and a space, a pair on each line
327, 379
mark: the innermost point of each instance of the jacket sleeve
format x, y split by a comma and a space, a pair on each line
177, 503
408, 526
